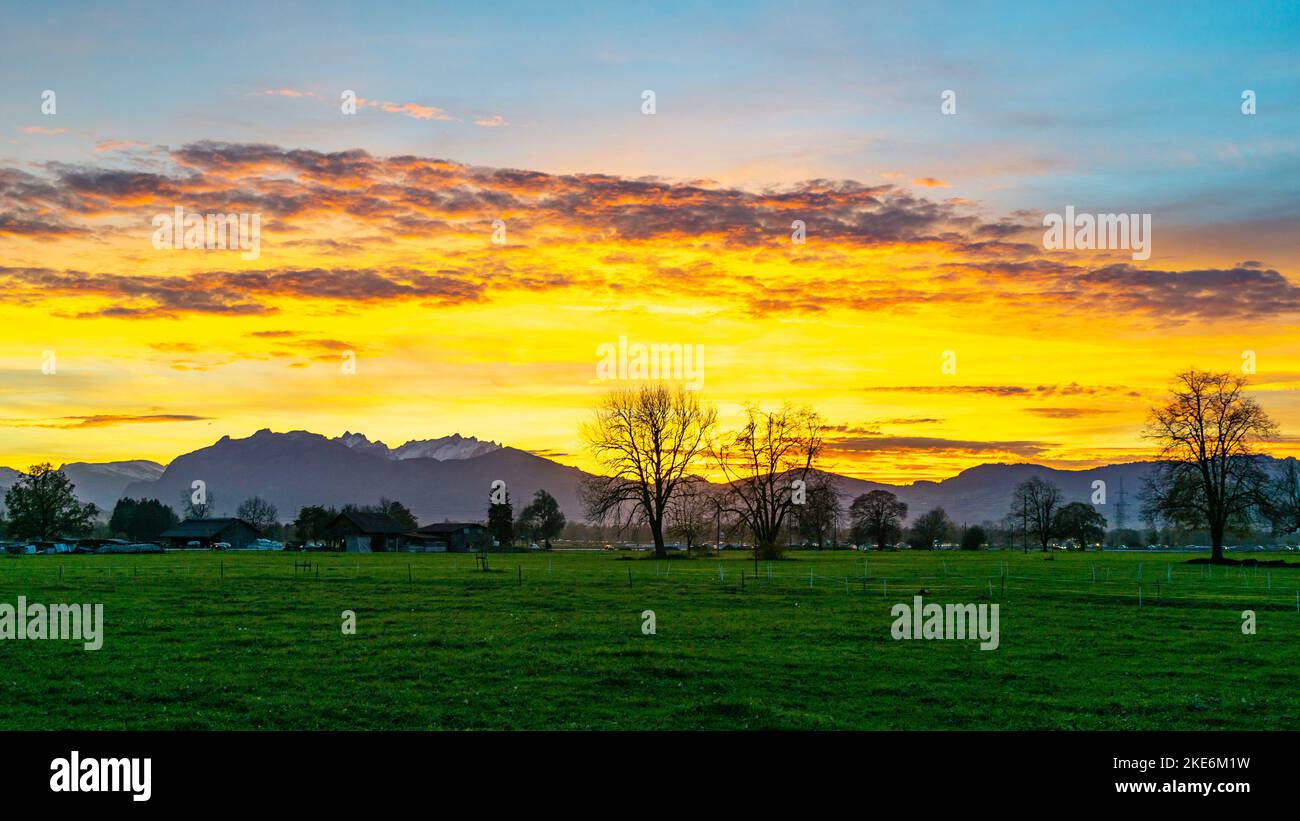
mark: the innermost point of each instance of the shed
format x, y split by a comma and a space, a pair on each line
455, 537
365, 532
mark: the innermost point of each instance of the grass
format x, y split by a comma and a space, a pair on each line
456, 648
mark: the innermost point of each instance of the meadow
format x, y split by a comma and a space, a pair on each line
554, 641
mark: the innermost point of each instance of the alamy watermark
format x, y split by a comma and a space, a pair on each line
77, 774
1089, 232
212, 232
66, 622
638, 360
950, 622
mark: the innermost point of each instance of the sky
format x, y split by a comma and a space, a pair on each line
451, 257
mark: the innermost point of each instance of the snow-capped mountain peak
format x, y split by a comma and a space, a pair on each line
446, 448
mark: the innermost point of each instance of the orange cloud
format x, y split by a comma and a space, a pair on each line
419, 112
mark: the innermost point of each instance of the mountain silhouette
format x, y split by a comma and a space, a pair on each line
450, 478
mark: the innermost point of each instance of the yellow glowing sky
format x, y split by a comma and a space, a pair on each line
1058, 354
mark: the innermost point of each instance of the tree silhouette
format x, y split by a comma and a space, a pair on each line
1209, 476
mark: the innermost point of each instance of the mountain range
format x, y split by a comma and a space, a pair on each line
449, 478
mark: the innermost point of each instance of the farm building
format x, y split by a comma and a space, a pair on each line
454, 537
365, 532
206, 532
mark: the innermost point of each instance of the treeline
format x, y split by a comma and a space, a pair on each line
540, 521
652, 442
42, 505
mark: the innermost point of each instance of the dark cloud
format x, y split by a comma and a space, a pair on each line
1065, 413
103, 420
237, 293
1034, 391
873, 444
409, 198
1209, 293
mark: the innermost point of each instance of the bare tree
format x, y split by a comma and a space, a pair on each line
1208, 475
690, 512
258, 512
1284, 498
819, 517
191, 509
1036, 503
878, 516
646, 441
762, 461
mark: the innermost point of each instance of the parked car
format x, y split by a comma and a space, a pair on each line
221, 545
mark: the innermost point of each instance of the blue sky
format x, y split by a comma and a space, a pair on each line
1109, 107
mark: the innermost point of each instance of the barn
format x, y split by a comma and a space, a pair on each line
207, 532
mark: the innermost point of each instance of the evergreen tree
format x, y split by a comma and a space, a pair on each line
501, 521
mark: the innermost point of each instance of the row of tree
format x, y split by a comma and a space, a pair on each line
42, 504
651, 442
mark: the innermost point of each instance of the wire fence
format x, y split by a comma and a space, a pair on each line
1096, 578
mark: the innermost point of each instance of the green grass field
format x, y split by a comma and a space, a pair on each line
456, 648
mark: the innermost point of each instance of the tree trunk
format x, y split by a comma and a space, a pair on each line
661, 552
1216, 543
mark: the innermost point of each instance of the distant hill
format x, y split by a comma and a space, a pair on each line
102, 483
296, 469
984, 492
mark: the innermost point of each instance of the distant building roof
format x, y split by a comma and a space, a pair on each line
203, 528
371, 524
448, 527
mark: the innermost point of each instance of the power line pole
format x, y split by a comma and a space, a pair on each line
1120, 506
